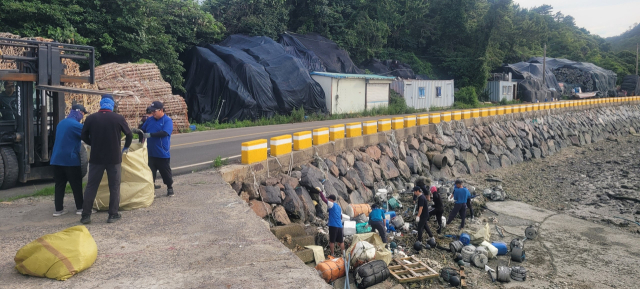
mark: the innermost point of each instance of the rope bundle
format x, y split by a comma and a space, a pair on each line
467, 252
518, 273
503, 274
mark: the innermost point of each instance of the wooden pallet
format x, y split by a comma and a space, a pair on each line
463, 278
412, 271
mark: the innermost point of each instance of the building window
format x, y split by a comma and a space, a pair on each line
507, 89
438, 91
421, 93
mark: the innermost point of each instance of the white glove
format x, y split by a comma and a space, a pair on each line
417, 219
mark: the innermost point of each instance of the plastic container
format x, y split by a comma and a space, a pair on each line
362, 228
390, 215
465, 239
350, 228
361, 209
492, 250
345, 218
331, 270
501, 246
394, 204
192, 127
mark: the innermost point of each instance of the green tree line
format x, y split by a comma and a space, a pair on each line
450, 39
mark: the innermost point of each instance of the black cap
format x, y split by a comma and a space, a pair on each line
332, 197
79, 107
458, 182
156, 105
416, 189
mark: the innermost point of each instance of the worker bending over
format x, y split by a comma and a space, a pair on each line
376, 221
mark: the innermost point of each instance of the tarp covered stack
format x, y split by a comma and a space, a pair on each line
392, 68
530, 85
333, 58
248, 77
631, 84
588, 76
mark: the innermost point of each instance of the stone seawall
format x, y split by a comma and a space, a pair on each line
355, 168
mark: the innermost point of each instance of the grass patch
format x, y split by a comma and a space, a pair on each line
48, 191
219, 161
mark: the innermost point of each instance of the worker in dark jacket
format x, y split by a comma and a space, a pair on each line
158, 131
65, 159
423, 213
460, 195
438, 206
376, 221
102, 132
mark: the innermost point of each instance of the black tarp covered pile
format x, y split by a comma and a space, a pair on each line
631, 84
588, 76
253, 75
391, 68
529, 78
332, 58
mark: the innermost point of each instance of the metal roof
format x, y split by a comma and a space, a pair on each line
345, 75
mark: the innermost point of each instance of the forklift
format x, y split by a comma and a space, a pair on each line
32, 104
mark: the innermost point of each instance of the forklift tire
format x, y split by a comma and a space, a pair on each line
10, 166
1, 170
84, 160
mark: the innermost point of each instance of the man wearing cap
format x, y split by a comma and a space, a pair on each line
460, 195
158, 133
423, 213
102, 132
65, 159
335, 221
8, 102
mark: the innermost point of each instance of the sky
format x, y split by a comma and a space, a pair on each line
602, 17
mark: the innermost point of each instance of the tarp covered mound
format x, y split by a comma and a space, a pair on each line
390, 67
588, 76
293, 87
293, 47
631, 83
333, 58
529, 78
253, 76
214, 91
59, 255
136, 184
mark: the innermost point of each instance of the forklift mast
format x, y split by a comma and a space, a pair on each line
36, 104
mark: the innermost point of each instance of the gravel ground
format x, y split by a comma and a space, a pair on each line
204, 237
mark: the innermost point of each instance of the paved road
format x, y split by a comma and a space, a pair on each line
196, 151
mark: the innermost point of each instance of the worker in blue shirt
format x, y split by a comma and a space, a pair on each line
157, 130
376, 221
460, 195
65, 159
335, 221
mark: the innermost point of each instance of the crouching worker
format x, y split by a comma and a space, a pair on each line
376, 221
335, 221
65, 159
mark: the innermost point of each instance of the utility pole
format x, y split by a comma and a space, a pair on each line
544, 64
637, 46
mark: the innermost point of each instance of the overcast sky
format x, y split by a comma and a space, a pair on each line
602, 17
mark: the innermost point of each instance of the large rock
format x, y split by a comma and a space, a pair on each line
471, 162
353, 177
425, 161
423, 148
249, 188
377, 171
365, 172
374, 152
332, 167
494, 161
511, 144
451, 157
287, 180
389, 170
342, 165
386, 150
311, 177
537, 153
505, 161
280, 215
348, 184
270, 182
517, 153
459, 169
340, 189
404, 170
414, 163
402, 151
356, 198
445, 172
367, 195
271, 195
349, 157
309, 207
292, 204
261, 209
483, 163
344, 205
413, 143
526, 155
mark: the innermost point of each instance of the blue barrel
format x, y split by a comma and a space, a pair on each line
465, 239
501, 246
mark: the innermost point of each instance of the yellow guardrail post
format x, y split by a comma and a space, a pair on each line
254, 151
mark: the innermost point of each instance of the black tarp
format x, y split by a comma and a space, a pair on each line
333, 58
293, 47
209, 82
254, 77
588, 76
631, 83
389, 68
293, 87
529, 78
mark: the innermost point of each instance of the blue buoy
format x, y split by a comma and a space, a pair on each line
465, 239
501, 246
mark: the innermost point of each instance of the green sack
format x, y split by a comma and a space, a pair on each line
393, 203
362, 228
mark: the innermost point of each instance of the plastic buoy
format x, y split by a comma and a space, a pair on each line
517, 254
454, 281
531, 232
417, 246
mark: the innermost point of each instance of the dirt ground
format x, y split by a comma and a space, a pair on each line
204, 237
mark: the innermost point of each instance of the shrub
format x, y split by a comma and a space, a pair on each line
467, 95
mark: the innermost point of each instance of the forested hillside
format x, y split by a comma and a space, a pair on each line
453, 39
627, 40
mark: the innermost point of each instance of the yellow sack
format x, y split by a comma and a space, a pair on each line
59, 255
136, 184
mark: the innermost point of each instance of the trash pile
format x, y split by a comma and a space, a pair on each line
495, 194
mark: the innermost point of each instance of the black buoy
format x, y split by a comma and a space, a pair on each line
417, 246
454, 281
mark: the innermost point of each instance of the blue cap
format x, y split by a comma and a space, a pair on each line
107, 96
